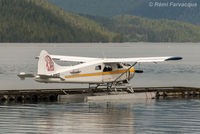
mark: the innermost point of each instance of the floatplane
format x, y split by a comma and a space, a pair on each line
109, 72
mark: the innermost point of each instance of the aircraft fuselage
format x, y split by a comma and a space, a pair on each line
96, 73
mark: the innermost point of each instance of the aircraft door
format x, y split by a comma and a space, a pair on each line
98, 70
106, 75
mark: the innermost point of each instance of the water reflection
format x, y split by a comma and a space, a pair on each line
91, 117
168, 116
151, 116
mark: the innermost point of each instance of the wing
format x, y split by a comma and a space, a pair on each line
72, 58
113, 60
140, 60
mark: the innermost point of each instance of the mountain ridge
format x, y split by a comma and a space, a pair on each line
40, 21
142, 8
135, 28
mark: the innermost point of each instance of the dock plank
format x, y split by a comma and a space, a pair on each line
53, 94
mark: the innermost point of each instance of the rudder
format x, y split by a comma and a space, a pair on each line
46, 66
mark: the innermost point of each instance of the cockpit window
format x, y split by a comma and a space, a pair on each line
98, 67
107, 68
119, 66
125, 64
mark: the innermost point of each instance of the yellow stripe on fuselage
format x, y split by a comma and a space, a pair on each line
102, 73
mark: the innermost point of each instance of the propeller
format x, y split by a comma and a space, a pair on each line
139, 71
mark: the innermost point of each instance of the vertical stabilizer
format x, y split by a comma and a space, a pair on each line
46, 66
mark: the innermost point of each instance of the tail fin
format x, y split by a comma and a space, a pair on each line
46, 66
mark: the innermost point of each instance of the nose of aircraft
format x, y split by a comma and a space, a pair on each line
131, 73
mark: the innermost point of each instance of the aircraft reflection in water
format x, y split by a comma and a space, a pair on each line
131, 116
107, 117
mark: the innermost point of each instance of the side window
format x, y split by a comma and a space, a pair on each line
98, 67
119, 66
125, 64
107, 68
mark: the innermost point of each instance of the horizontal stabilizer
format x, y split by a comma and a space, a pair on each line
23, 75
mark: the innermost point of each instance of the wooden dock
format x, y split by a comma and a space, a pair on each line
46, 95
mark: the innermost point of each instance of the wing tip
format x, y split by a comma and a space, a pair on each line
174, 58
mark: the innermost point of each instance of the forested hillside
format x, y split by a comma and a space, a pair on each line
40, 21
106, 8
136, 28
110, 8
188, 13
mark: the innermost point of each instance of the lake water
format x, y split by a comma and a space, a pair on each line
125, 117
15, 58
117, 117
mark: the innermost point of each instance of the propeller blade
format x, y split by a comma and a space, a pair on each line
139, 71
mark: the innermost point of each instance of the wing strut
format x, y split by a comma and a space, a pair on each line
124, 72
